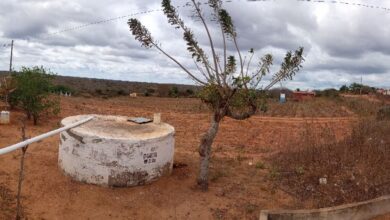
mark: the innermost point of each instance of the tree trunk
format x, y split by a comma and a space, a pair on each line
205, 151
35, 118
6, 100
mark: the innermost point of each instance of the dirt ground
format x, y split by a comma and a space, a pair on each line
239, 185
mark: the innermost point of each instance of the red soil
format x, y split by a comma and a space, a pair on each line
238, 190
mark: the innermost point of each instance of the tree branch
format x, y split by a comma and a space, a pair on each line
193, 46
180, 65
249, 62
244, 115
201, 71
239, 55
210, 39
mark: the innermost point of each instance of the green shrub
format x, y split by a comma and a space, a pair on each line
32, 94
190, 92
344, 89
174, 92
61, 88
121, 92
329, 93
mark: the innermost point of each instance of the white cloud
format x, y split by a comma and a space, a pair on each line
342, 42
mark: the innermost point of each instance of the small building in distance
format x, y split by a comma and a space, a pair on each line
303, 95
282, 98
383, 91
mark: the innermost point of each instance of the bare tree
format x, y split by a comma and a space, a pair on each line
229, 87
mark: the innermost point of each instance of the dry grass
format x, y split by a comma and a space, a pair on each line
356, 168
318, 107
361, 106
6, 203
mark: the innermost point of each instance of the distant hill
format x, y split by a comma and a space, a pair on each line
109, 88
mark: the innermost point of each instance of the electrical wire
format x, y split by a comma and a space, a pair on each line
336, 2
109, 20
188, 5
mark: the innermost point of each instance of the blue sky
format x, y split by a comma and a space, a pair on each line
342, 42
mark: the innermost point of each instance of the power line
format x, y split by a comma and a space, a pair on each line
110, 20
335, 2
188, 5
99, 22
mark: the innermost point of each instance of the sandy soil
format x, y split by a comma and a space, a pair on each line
238, 190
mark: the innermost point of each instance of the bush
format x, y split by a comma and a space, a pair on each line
359, 88
121, 92
99, 91
329, 93
150, 90
61, 89
344, 89
356, 168
189, 92
361, 107
32, 94
174, 92
384, 113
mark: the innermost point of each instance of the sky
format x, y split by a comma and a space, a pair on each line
342, 43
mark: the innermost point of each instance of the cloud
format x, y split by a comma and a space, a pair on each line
342, 43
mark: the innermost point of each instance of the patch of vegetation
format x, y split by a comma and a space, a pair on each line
318, 107
329, 93
219, 213
274, 173
384, 113
149, 92
357, 88
174, 92
190, 92
355, 169
240, 158
6, 203
250, 208
260, 165
361, 107
121, 92
61, 89
217, 175
32, 93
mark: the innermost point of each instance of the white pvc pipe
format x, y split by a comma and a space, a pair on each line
42, 136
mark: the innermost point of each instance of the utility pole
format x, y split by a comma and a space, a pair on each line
8, 81
10, 60
361, 85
